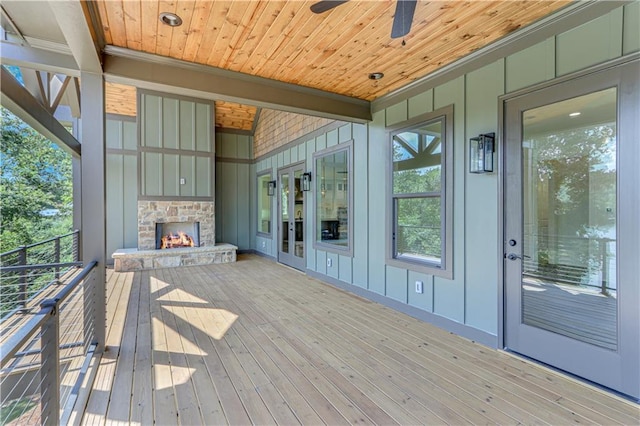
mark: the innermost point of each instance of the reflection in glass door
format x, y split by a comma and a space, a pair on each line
567, 304
291, 224
569, 209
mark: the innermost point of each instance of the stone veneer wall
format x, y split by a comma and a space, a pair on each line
277, 128
150, 212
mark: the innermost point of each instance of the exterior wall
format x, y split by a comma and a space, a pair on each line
234, 190
121, 183
469, 303
176, 142
276, 128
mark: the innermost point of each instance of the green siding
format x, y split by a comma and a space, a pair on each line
152, 169
121, 185
531, 66
188, 173
422, 300
421, 104
481, 190
590, 44
377, 153
449, 294
177, 128
396, 114
187, 126
631, 36
170, 169
396, 287
360, 207
170, 123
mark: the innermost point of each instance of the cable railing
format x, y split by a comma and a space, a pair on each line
26, 271
581, 261
46, 356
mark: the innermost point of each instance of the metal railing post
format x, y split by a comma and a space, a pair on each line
22, 260
50, 366
56, 255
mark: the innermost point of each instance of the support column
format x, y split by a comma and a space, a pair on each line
93, 211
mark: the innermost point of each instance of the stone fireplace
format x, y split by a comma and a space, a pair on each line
172, 219
152, 213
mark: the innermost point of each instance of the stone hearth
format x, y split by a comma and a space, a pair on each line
126, 260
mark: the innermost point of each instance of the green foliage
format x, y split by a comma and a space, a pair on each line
13, 410
35, 174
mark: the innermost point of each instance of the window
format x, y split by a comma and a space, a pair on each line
333, 185
421, 179
264, 205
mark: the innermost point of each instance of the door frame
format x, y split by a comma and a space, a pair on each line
628, 174
290, 259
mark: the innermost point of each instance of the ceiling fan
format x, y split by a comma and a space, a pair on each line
402, 19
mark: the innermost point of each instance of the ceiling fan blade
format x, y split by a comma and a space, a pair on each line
403, 18
323, 6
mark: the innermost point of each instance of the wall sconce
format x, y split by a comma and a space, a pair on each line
271, 188
481, 153
306, 181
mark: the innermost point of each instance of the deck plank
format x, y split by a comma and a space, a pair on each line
255, 342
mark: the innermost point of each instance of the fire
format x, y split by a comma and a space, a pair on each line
180, 239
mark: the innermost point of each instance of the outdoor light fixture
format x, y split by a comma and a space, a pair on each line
170, 19
481, 153
376, 76
306, 181
271, 188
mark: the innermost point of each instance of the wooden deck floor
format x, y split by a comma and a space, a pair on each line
256, 342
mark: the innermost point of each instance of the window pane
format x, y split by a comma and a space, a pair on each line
418, 235
264, 205
417, 160
332, 198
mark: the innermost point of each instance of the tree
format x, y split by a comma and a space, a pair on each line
35, 175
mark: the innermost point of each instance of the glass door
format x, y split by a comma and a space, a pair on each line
568, 302
291, 211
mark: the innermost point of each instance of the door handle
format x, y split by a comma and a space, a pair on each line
513, 256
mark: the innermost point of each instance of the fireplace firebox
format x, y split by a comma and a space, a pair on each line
177, 234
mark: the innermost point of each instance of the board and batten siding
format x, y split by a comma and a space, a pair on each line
121, 183
176, 142
468, 304
235, 190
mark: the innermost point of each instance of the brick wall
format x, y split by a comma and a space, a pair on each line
277, 128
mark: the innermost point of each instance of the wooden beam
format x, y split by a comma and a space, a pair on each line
29, 57
75, 28
179, 77
18, 100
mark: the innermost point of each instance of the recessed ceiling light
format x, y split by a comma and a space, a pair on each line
574, 114
171, 19
376, 76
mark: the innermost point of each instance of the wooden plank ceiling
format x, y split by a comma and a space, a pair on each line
334, 51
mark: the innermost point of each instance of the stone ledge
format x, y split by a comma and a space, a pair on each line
126, 260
